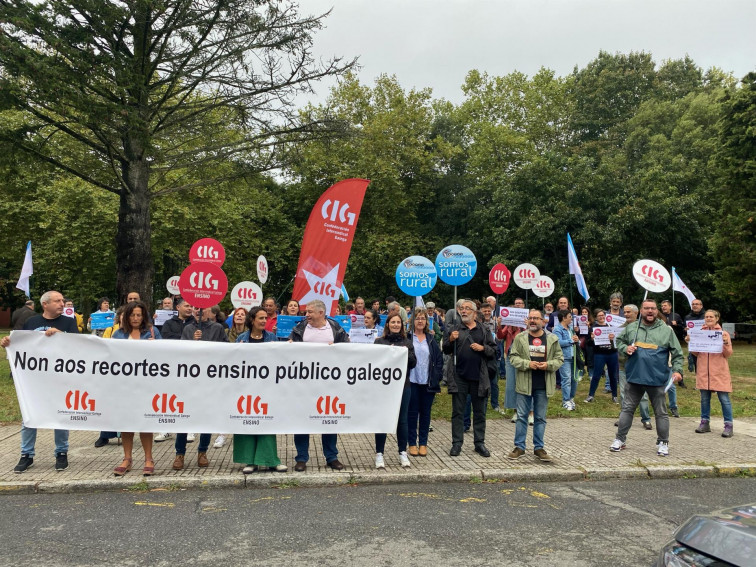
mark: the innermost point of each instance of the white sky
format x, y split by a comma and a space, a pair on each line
434, 43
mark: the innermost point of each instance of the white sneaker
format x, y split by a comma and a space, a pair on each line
190, 437
662, 449
617, 446
162, 437
219, 441
404, 460
249, 469
568, 406
572, 403
531, 419
514, 417
280, 468
379, 462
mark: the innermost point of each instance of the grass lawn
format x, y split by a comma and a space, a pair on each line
742, 368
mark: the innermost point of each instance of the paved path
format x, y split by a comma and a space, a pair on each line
580, 447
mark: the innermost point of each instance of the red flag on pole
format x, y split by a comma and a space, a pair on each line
327, 243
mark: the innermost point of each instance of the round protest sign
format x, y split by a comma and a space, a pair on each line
247, 295
262, 269
456, 265
526, 276
651, 275
203, 284
499, 278
207, 250
416, 275
172, 285
544, 287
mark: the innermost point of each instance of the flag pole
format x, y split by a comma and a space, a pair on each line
673, 293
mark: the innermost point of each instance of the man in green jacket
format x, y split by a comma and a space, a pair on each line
649, 345
536, 357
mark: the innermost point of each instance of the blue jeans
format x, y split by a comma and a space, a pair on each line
302, 443
401, 427
419, 411
204, 443
611, 361
29, 438
724, 399
569, 384
510, 396
539, 402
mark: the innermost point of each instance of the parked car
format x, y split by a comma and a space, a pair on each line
726, 537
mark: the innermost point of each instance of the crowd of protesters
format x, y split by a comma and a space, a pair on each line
466, 349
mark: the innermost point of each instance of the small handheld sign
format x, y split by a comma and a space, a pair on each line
544, 287
526, 276
416, 275
499, 278
246, 294
172, 285
203, 284
262, 269
207, 250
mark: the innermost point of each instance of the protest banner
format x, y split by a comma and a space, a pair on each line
357, 321
544, 287
526, 276
513, 316
172, 285
327, 242
651, 276
581, 322
694, 324
363, 336
615, 320
416, 276
71, 381
705, 341
262, 269
344, 320
69, 312
203, 284
285, 325
102, 320
601, 336
246, 294
456, 265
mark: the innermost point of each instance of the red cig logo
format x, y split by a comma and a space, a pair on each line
652, 273
247, 293
330, 406
247, 404
161, 403
500, 276
77, 400
526, 274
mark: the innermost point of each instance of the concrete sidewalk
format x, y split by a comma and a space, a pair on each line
580, 448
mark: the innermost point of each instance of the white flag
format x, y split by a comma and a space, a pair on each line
678, 285
26, 271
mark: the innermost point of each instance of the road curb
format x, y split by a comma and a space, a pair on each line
313, 480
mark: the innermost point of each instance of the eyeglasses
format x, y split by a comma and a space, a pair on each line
534, 318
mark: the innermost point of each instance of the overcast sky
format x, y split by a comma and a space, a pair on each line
434, 43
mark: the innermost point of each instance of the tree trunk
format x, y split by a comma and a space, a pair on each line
135, 269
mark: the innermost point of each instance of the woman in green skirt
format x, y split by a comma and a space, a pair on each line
257, 452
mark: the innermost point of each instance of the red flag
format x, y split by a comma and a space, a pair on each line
327, 243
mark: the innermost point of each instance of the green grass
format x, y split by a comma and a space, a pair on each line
742, 368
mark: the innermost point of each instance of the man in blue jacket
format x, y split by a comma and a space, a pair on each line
649, 345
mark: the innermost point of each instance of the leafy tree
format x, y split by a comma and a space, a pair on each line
158, 94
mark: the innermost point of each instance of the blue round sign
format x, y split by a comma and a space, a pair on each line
416, 275
456, 265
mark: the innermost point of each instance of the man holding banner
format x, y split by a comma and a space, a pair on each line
315, 328
648, 344
51, 321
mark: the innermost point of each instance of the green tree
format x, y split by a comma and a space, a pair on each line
158, 94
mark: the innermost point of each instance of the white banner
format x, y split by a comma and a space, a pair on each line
705, 341
363, 336
84, 382
601, 336
514, 317
615, 320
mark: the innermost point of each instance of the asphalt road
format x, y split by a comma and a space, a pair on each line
565, 524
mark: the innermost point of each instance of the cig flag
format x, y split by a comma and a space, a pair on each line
327, 243
575, 269
26, 271
678, 285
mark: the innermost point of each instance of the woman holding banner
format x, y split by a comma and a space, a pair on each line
136, 324
604, 354
713, 375
394, 335
257, 452
425, 382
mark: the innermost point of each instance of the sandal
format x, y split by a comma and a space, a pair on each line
149, 470
123, 468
